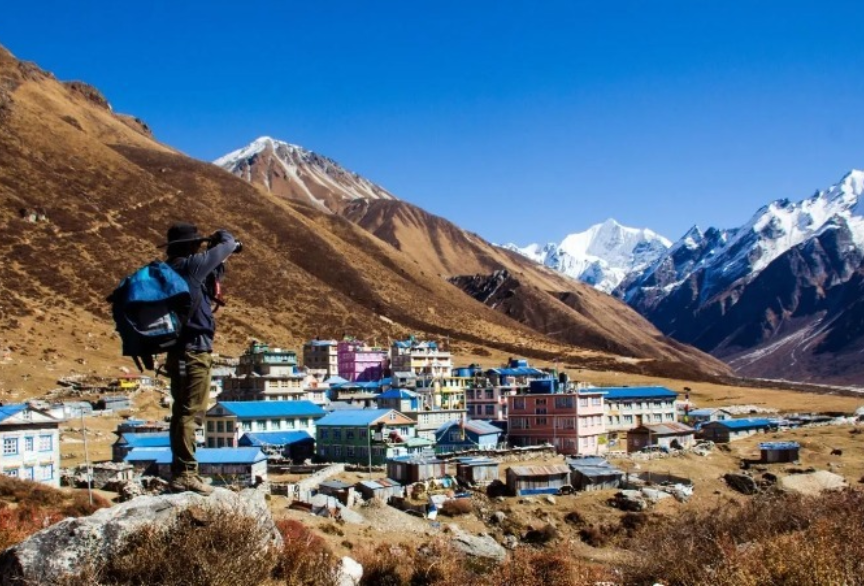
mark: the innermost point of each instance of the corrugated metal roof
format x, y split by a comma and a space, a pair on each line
779, 446
671, 427
203, 455
355, 417
146, 440
7, 411
550, 470
272, 408
623, 393
749, 423
380, 483
398, 394
477, 426
593, 467
274, 438
705, 412
519, 371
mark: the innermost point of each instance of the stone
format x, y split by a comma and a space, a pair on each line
549, 499
629, 500
476, 546
498, 517
511, 541
743, 483
66, 548
349, 572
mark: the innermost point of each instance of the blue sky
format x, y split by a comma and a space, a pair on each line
521, 121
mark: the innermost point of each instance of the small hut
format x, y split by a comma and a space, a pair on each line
339, 490
524, 480
773, 452
409, 469
479, 471
593, 473
382, 489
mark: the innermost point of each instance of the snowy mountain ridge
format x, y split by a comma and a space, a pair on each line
293, 171
727, 256
604, 255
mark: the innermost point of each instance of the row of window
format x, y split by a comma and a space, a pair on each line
41, 473
646, 418
13, 446
222, 426
562, 402
628, 405
558, 422
220, 442
481, 409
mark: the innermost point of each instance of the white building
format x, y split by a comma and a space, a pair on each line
227, 421
31, 444
421, 358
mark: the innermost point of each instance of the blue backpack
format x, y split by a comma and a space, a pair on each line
150, 308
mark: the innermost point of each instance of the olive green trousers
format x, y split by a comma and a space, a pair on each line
190, 388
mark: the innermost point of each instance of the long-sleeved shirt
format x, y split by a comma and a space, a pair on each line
200, 328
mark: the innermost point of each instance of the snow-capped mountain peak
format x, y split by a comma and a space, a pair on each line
604, 255
289, 170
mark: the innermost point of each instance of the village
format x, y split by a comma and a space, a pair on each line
406, 432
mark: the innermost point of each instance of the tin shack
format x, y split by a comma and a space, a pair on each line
525, 480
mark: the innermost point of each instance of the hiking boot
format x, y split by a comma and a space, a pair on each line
190, 483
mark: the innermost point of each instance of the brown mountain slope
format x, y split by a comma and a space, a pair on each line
87, 194
546, 301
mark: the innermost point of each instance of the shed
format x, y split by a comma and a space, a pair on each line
733, 429
129, 441
381, 489
408, 469
668, 435
522, 480
115, 403
223, 465
296, 445
779, 451
593, 473
339, 490
479, 471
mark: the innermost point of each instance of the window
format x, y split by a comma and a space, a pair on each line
363, 433
28, 473
246, 426
13, 472
262, 425
349, 434
583, 401
596, 400
220, 442
564, 402
10, 446
220, 426
210, 426
229, 426
337, 434
628, 419
28, 444
46, 472
349, 451
489, 394
392, 416
323, 433
540, 421
46, 444
540, 402
519, 403
211, 442
337, 451
490, 409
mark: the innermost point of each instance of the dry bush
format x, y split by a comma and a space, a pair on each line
541, 536
27, 491
385, 565
18, 524
457, 507
305, 559
559, 566
775, 539
202, 547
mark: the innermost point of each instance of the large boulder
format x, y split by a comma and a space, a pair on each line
479, 546
69, 547
743, 483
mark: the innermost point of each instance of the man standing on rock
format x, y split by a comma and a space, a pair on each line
189, 362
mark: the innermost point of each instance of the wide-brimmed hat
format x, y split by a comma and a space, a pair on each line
182, 232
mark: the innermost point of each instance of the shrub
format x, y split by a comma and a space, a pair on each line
541, 536
202, 547
305, 559
456, 507
559, 566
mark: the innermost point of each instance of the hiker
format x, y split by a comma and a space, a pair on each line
188, 363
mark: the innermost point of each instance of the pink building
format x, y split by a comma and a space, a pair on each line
359, 362
572, 422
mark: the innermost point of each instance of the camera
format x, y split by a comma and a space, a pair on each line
238, 248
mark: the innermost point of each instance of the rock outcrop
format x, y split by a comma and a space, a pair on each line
69, 547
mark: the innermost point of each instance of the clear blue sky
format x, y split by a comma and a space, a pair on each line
522, 121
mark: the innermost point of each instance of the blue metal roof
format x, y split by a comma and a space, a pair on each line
742, 423
273, 408
355, 417
705, 412
146, 440
274, 438
478, 426
520, 371
779, 446
7, 411
624, 393
398, 394
203, 455
368, 385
